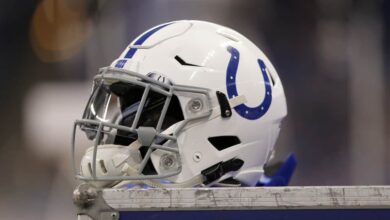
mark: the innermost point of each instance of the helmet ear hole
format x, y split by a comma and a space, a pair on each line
224, 142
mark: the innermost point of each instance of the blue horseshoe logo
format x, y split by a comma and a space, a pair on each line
251, 113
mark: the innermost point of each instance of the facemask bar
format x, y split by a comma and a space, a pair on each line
116, 75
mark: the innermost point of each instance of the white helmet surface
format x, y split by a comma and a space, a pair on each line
187, 103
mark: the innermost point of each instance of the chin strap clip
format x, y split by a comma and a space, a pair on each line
226, 110
218, 170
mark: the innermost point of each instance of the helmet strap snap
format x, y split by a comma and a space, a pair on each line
218, 170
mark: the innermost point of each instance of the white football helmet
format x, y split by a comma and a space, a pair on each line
188, 103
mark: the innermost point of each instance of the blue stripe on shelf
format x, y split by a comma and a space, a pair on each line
317, 214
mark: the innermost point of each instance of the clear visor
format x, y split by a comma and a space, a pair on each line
119, 103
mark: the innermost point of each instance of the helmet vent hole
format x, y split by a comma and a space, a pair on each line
272, 80
184, 63
224, 142
102, 166
271, 77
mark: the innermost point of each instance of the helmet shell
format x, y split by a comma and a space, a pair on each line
212, 56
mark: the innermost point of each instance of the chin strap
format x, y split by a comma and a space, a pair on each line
216, 171
195, 181
229, 182
130, 169
207, 176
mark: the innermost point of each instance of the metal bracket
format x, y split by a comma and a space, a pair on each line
89, 201
226, 110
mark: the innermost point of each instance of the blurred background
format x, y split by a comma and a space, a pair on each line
332, 56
